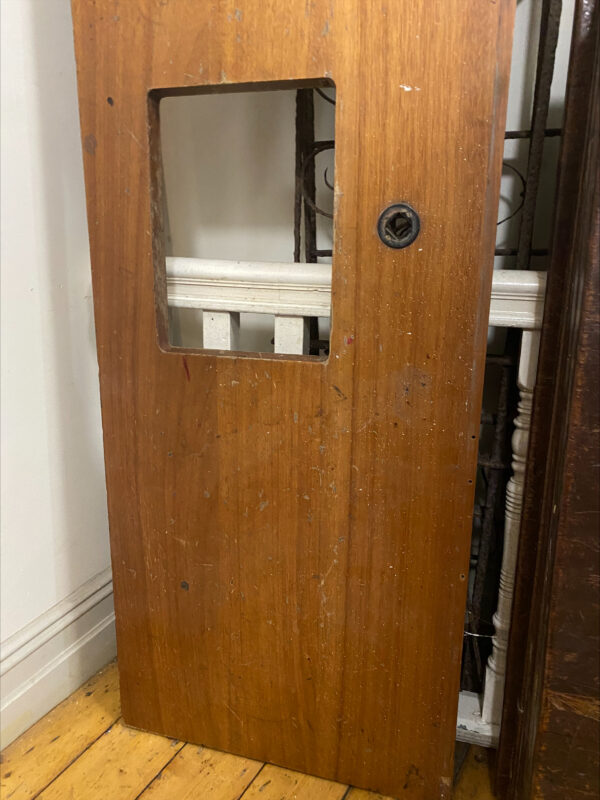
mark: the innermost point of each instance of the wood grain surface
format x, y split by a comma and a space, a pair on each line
567, 748
549, 742
290, 538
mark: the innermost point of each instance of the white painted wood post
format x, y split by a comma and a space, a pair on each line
304, 290
221, 330
493, 693
260, 287
291, 335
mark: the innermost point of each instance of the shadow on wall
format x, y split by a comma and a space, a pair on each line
229, 171
78, 495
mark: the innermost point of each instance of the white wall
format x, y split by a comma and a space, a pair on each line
56, 615
54, 518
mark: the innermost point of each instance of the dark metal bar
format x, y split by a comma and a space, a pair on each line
493, 468
309, 188
309, 168
548, 133
305, 175
512, 251
550, 22
306, 190
297, 189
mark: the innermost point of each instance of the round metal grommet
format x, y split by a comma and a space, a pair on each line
398, 226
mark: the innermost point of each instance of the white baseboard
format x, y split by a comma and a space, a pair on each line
44, 662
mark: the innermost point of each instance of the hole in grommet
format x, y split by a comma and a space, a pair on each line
398, 225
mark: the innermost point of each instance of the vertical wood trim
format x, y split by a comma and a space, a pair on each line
568, 276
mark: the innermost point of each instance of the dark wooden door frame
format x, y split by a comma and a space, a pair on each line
561, 485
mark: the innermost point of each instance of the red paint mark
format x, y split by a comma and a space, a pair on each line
348, 339
186, 368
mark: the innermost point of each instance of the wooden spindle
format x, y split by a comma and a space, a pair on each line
291, 335
221, 330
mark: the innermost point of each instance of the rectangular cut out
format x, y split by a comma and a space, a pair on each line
248, 204
290, 538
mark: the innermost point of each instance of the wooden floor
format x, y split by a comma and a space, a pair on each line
82, 750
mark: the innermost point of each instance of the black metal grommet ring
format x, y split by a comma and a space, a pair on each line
398, 226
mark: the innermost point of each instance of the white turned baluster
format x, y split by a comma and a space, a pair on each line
221, 330
291, 335
496, 667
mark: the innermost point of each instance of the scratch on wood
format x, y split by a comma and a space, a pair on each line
90, 144
583, 706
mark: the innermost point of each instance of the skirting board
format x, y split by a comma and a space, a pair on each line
44, 662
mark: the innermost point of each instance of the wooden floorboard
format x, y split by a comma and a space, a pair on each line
121, 763
283, 784
47, 748
474, 781
82, 750
199, 772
